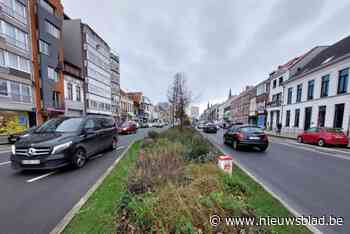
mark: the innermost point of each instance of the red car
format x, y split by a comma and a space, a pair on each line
128, 127
323, 137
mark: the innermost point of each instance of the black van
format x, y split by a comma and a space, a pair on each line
64, 141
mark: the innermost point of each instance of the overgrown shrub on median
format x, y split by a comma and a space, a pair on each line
176, 187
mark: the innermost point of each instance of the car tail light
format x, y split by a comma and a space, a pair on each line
264, 137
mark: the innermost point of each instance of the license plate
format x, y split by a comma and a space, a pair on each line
254, 138
30, 162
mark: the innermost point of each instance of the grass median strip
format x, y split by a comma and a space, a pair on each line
98, 214
171, 184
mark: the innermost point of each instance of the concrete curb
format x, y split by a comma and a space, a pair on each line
313, 229
279, 136
70, 215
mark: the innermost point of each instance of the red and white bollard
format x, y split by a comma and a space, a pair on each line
225, 163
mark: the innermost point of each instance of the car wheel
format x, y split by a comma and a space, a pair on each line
300, 139
79, 158
235, 145
321, 143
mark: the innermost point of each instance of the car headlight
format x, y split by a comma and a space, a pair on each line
25, 135
13, 149
61, 147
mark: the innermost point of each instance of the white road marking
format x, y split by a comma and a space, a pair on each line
5, 163
41, 177
120, 147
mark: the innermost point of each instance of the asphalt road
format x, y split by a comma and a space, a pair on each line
34, 202
311, 180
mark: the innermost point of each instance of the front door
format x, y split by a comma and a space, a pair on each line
308, 115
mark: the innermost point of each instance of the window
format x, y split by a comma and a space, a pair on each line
47, 6
274, 83
26, 95
343, 81
15, 9
78, 93
321, 116
3, 88
44, 47
325, 86
290, 95
14, 35
288, 118
15, 91
70, 91
299, 92
56, 99
52, 74
2, 58
52, 30
280, 81
7, 59
296, 118
310, 89
338, 115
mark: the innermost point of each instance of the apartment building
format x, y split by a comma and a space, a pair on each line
319, 94
115, 86
84, 46
262, 95
16, 74
277, 78
46, 26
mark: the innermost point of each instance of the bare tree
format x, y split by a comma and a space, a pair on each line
179, 96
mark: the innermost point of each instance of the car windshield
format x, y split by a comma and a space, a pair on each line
251, 130
60, 125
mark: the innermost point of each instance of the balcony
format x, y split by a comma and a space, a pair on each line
7, 10
12, 97
274, 103
14, 42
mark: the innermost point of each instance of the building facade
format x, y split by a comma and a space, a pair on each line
127, 106
240, 105
16, 73
115, 86
194, 112
86, 47
48, 57
319, 95
278, 77
73, 90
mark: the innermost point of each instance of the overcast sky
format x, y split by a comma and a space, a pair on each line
219, 44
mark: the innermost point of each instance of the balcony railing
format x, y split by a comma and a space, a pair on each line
12, 97
12, 13
275, 103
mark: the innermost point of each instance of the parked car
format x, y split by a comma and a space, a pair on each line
158, 124
210, 128
323, 137
128, 127
64, 141
13, 138
246, 136
201, 125
144, 125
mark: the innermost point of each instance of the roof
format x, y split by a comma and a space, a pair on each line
333, 52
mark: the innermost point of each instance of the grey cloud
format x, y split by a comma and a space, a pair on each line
157, 38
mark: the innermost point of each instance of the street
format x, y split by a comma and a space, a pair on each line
311, 180
34, 202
